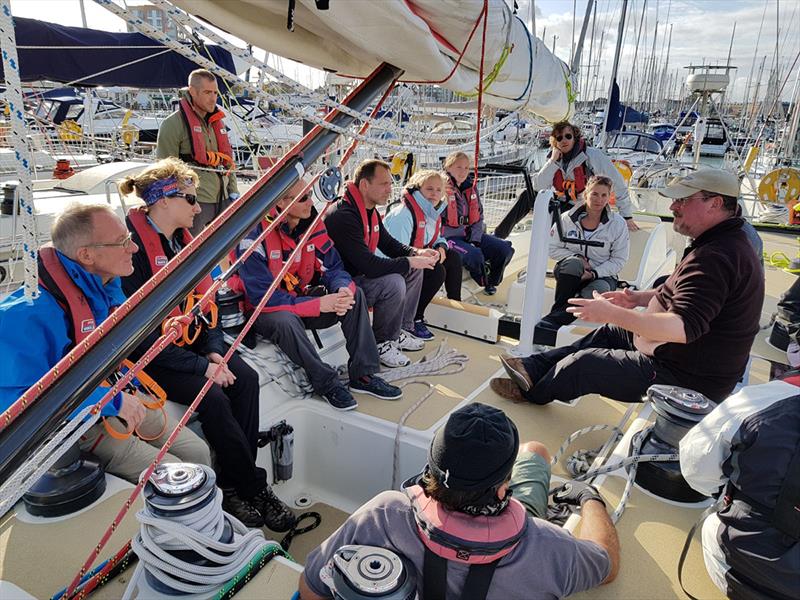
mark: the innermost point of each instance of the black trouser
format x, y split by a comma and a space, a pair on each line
230, 420
448, 273
519, 211
603, 362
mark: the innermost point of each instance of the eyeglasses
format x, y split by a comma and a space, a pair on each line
567, 136
124, 244
684, 201
190, 198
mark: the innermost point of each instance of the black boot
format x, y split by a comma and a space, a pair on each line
244, 510
277, 516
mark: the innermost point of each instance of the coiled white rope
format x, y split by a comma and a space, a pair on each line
200, 532
13, 96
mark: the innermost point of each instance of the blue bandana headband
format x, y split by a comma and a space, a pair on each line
163, 188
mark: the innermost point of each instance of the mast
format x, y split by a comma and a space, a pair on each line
614, 69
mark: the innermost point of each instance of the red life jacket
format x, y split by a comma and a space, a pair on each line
54, 278
200, 154
372, 231
463, 538
575, 186
305, 265
156, 256
469, 195
418, 223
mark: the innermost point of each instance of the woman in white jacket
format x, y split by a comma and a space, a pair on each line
583, 270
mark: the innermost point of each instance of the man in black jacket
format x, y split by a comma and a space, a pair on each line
391, 282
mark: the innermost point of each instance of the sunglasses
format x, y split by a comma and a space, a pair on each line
190, 198
561, 137
304, 198
124, 244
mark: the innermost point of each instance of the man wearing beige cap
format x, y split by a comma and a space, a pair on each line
696, 329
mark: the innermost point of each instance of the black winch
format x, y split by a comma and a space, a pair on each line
231, 316
71, 484
369, 572
677, 411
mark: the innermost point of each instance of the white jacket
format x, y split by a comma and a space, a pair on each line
598, 163
606, 260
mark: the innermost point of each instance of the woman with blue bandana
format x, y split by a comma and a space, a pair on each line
229, 413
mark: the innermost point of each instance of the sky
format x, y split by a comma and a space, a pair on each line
701, 33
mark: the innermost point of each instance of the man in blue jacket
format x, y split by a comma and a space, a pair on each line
93, 249
315, 293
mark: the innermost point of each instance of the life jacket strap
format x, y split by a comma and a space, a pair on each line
434, 574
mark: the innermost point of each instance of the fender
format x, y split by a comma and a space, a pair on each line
418, 222
156, 256
464, 538
572, 187
371, 229
54, 278
470, 195
200, 154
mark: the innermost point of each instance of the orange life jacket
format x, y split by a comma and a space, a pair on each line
469, 195
575, 186
304, 267
418, 223
372, 230
156, 256
54, 278
200, 154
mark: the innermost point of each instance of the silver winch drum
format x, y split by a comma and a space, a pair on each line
677, 410
177, 489
369, 572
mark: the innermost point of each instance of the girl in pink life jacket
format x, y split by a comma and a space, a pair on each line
415, 221
484, 255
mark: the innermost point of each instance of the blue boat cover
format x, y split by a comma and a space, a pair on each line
619, 114
92, 51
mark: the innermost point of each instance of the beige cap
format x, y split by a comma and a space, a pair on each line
706, 180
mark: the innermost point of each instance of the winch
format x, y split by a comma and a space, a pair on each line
368, 572
677, 410
71, 484
231, 317
178, 492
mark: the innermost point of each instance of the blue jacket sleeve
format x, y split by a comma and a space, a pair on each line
33, 338
333, 274
257, 278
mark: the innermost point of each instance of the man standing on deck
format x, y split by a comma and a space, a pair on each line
697, 327
196, 134
463, 531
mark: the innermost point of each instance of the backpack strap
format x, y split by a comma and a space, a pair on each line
434, 578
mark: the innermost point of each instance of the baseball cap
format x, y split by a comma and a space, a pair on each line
715, 181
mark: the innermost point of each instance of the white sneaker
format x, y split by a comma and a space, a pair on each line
409, 342
391, 356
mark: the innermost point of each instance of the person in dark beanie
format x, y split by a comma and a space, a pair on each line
462, 529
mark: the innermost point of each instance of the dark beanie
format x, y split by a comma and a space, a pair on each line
475, 450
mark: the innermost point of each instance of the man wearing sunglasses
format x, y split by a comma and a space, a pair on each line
91, 250
567, 170
315, 293
696, 328
229, 413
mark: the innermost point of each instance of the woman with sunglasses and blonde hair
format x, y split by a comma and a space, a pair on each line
569, 166
229, 413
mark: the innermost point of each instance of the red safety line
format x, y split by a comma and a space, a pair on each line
88, 587
173, 333
480, 91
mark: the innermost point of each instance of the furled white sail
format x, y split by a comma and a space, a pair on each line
423, 37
